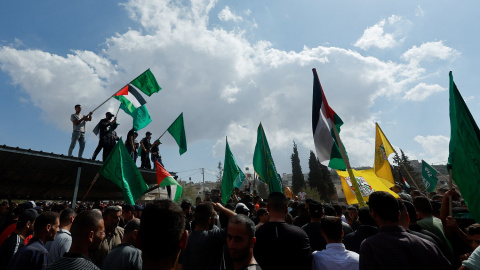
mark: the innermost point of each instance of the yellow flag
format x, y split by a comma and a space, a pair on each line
288, 193
367, 181
383, 149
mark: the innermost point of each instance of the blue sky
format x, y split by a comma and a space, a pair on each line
228, 65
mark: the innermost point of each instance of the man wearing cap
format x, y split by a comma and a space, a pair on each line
107, 136
78, 133
16, 240
146, 145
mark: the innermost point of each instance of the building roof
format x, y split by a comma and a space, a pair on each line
36, 175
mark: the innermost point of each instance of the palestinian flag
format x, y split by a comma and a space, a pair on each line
133, 104
165, 179
323, 118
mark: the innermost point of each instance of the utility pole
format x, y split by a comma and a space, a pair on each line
203, 175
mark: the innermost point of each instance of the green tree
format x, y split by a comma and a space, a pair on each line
189, 192
219, 176
417, 177
320, 179
298, 181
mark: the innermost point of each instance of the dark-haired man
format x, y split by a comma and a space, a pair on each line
126, 256
63, 239
79, 129
128, 212
206, 241
162, 235
113, 234
107, 136
88, 232
393, 247
240, 241
315, 210
16, 240
335, 256
277, 242
34, 255
367, 228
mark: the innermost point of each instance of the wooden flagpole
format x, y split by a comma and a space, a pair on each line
356, 188
93, 182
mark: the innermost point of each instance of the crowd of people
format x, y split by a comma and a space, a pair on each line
105, 129
412, 232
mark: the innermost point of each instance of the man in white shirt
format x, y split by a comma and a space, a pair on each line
79, 129
335, 256
302, 195
63, 239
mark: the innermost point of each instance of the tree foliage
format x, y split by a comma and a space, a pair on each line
298, 181
403, 168
320, 179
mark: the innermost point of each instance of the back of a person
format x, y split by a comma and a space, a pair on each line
32, 256
394, 248
123, 257
353, 240
204, 250
73, 262
332, 258
317, 242
282, 246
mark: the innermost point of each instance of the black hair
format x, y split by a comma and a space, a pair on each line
203, 212
186, 205
423, 205
329, 211
473, 229
161, 227
338, 209
85, 222
45, 218
277, 202
412, 212
332, 227
365, 218
128, 208
315, 209
261, 212
384, 205
111, 209
244, 220
66, 215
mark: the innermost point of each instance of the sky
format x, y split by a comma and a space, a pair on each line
229, 65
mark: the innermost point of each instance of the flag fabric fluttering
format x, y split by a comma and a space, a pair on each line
146, 83
177, 130
231, 172
164, 179
383, 149
239, 179
263, 163
120, 168
134, 105
429, 176
464, 150
323, 118
368, 183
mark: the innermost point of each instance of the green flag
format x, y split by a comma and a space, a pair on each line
122, 171
263, 163
429, 176
141, 118
239, 179
147, 83
177, 130
231, 172
464, 148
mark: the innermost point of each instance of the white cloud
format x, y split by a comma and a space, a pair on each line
227, 15
429, 51
224, 84
376, 36
435, 148
419, 12
422, 91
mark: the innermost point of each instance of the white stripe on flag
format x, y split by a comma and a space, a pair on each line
322, 137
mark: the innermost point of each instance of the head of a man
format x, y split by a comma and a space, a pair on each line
204, 215
473, 235
365, 218
131, 231
240, 237
109, 116
352, 212
315, 210
262, 215
332, 229
148, 134
67, 216
277, 203
46, 226
78, 108
186, 207
162, 233
88, 230
111, 217
26, 221
423, 206
127, 212
384, 208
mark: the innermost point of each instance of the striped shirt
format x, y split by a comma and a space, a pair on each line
73, 261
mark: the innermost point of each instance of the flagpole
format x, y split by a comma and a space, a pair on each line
404, 167
356, 188
167, 128
118, 110
93, 182
450, 185
108, 98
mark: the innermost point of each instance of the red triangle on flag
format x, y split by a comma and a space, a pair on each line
123, 91
161, 172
